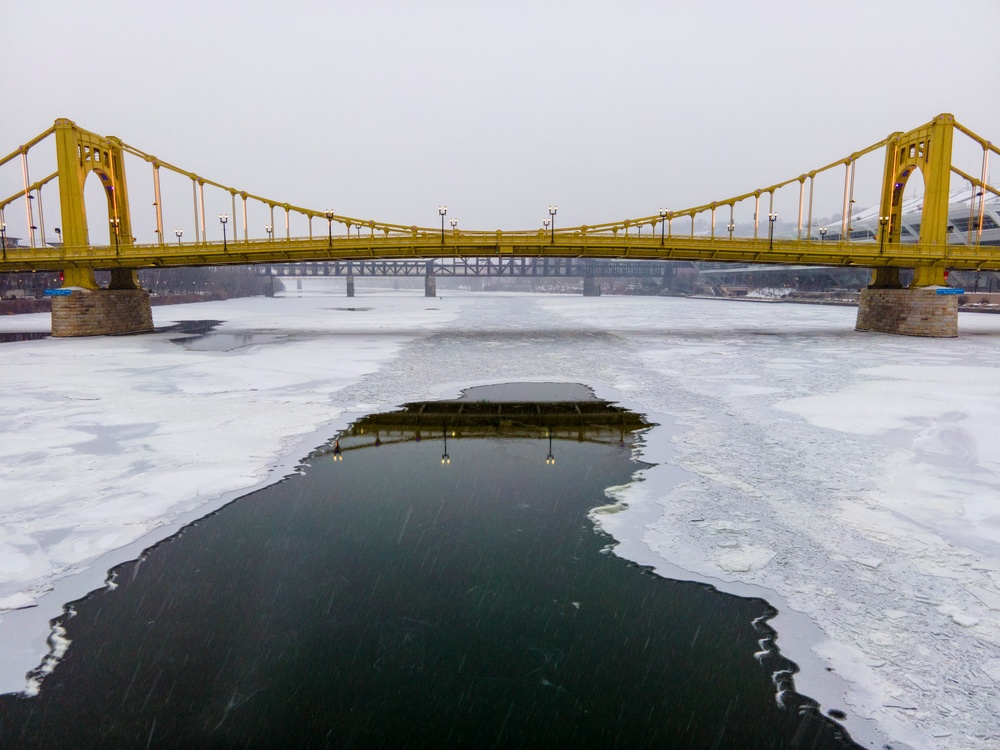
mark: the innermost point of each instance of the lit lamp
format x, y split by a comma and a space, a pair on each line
223, 218
545, 223
269, 228
663, 221
771, 217
178, 234
552, 213
822, 234
329, 226
442, 210
454, 223
730, 226
883, 222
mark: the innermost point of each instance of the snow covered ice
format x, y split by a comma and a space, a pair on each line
852, 480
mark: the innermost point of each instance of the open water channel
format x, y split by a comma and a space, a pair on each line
431, 578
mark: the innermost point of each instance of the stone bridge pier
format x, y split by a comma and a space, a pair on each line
917, 310
88, 310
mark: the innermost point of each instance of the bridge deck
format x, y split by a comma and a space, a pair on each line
460, 244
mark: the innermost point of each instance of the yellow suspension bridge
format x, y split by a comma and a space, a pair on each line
671, 235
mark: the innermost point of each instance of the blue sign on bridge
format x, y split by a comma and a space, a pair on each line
58, 292
950, 290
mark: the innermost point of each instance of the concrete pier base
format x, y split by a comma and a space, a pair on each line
909, 312
350, 285
430, 285
101, 312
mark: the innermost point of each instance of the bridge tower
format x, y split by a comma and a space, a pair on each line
917, 310
123, 307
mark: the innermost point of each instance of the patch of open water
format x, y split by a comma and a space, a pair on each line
431, 579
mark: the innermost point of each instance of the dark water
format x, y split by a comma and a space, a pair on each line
385, 599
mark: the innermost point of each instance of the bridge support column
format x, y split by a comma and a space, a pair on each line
430, 281
102, 312
915, 311
590, 287
350, 284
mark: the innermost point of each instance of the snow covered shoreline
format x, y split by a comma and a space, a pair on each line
853, 475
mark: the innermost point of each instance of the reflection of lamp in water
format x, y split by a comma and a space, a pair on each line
337, 455
445, 458
550, 459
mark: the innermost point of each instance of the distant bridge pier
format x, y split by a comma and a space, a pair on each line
269, 289
917, 310
430, 280
590, 286
350, 280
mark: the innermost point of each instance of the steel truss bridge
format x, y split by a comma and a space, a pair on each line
477, 267
927, 149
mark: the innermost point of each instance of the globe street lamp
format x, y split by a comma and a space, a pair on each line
223, 218
269, 228
730, 226
884, 222
663, 221
442, 210
822, 234
3, 237
115, 222
552, 213
545, 223
454, 223
329, 226
771, 217
178, 233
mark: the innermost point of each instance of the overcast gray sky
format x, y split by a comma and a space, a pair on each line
385, 109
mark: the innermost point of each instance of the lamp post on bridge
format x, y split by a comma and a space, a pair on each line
545, 223
663, 221
822, 234
443, 210
552, 213
730, 226
329, 226
3, 237
178, 234
883, 222
454, 224
771, 217
223, 218
269, 228
115, 223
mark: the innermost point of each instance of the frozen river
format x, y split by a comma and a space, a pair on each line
851, 480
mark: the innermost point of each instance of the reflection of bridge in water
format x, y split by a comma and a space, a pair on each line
592, 421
